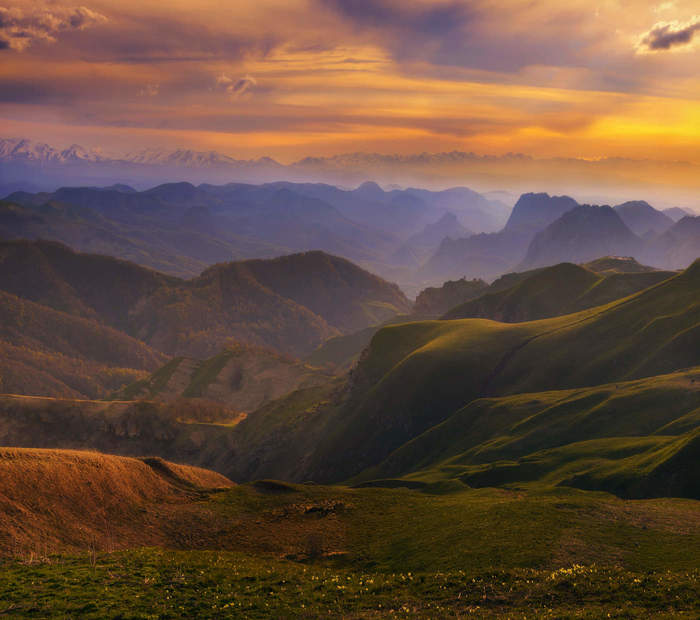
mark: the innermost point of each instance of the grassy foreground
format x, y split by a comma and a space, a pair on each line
167, 584
311, 551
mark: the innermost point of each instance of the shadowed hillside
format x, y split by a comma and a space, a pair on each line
435, 301
291, 303
622, 438
554, 291
44, 351
241, 377
581, 235
414, 376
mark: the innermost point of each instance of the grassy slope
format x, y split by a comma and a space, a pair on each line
360, 552
68, 500
241, 377
416, 375
554, 291
620, 437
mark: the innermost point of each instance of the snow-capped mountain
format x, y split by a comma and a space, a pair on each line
23, 150
188, 158
180, 157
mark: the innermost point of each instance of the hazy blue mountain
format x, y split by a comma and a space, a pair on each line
581, 235
642, 219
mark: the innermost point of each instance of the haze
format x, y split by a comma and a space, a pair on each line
590, 81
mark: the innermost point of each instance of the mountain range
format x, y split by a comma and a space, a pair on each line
544, 230
604, 398
30, 165
85, 325
182, 229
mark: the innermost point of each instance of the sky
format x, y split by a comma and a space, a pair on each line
292, 78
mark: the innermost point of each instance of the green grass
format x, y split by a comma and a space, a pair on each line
285, 550
555, 291
417, 375
379, 552
206, 374
617, 437
212, 584
153, 385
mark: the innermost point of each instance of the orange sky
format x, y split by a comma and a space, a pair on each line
293, 78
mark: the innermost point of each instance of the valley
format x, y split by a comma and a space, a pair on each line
270, 428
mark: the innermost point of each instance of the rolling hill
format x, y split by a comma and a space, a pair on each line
291, 303
554, 291
623, 438
433, 302
44, 351
414, 376
70, 501
242, 377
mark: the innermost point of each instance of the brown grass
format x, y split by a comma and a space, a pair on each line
54, 500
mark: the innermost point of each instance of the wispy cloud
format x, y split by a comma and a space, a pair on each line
235, 88
150, 90
19, 28
664, 36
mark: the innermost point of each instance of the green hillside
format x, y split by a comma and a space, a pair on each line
416, 375
242, 377
622, 437
554, 291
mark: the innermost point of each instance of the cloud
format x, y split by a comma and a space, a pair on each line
666, 35
235, 88
150, 90
471, 34
426, 19
19, 29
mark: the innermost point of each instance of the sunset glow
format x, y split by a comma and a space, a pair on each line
321, 77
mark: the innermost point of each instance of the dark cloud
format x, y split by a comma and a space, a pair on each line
665, 35
472, 34
19, 28
410, 17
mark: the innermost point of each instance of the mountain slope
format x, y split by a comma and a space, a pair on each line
86, 285
678, 246
413, 376
534, 212
434, 302
422, 245
292, 303
242, 377
676, 213
554, 291
52, 353
583, 234
619, 437
180, 228
490, 255
642, 219
70, 500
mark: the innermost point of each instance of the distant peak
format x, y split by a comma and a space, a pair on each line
370, 188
